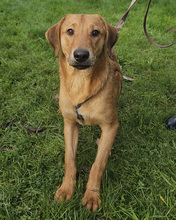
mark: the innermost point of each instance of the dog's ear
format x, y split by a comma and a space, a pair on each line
53, 36
112, 37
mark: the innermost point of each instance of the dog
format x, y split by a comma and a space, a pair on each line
90, 85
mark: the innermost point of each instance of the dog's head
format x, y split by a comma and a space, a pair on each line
82, 39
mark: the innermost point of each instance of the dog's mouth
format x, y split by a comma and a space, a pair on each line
81, 67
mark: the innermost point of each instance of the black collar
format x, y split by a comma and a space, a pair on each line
79, 116
111, 58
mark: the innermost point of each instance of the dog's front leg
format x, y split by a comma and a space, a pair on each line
71, 141
92, 195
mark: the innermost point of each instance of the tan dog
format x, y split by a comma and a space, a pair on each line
90, 84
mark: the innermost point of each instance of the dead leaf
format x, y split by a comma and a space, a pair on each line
86, 169
8, 124
128, 78
36, 129
8, 148
56, 97
97, 141
24, 47
170, 30
58, 111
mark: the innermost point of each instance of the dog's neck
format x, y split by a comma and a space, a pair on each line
82, 84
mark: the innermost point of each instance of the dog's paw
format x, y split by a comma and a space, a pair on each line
91, 200
64, 193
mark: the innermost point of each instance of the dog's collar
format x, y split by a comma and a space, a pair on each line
111, 58
79, 116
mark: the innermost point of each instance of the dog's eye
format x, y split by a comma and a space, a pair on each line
95, 33
70, 32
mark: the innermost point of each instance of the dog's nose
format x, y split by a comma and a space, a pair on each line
81, 55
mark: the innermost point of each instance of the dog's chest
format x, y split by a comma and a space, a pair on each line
83, 113
78, 113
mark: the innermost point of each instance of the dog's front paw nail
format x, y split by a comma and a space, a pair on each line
91, 200
63, 193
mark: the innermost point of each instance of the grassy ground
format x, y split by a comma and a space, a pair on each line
140, 179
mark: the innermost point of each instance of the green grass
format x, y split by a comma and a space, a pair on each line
140, 178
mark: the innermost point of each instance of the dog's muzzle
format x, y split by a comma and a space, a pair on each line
81, 59
81, 55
